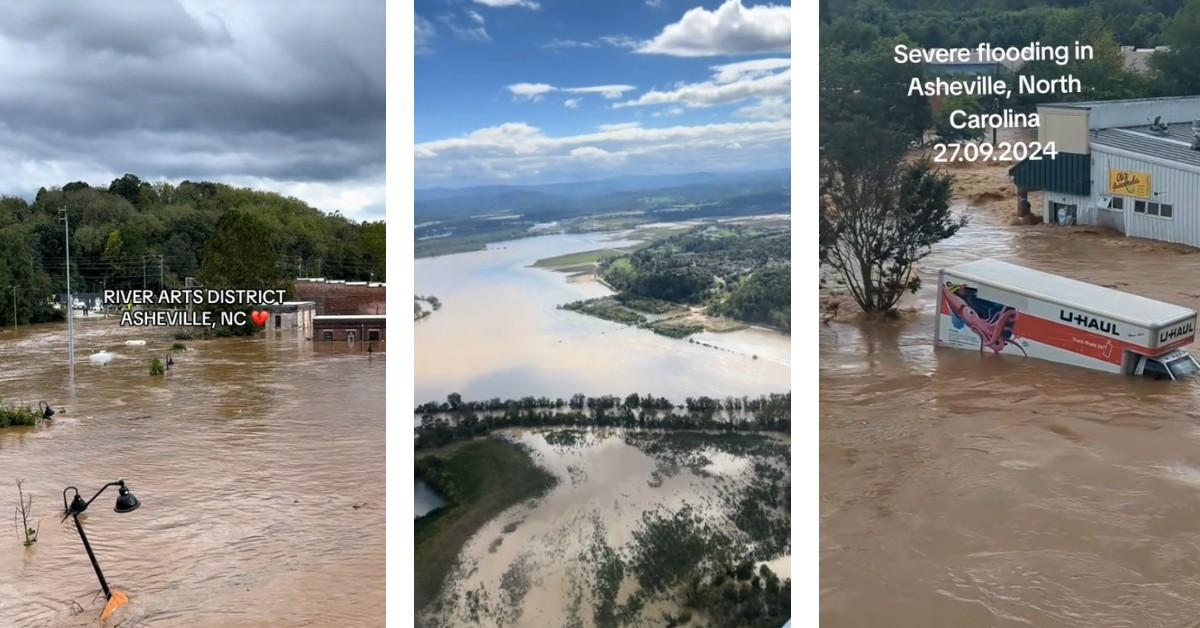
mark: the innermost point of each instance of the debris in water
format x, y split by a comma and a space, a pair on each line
101, 357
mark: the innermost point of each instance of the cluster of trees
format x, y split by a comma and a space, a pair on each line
134, 232
443, 423
11, 415
434, 471
740, 596
859, 77
743, 272
763, 297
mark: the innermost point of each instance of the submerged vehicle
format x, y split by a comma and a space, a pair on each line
993, 305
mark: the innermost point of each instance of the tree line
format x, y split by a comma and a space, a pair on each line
444, 422
136, 233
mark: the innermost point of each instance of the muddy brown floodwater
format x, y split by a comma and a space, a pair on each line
259, 464
961, 489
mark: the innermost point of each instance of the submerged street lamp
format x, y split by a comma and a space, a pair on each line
126, 502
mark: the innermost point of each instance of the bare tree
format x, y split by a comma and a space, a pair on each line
24, 508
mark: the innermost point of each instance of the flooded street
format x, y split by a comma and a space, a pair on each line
259, 464
964, 489
498, 334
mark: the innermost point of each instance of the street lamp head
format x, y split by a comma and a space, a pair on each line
78, 505
126, 502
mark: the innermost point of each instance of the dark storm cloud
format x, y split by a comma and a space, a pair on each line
289, 94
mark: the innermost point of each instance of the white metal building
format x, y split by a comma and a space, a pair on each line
1130, 165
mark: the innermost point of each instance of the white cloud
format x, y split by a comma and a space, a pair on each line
749, 83
621, 126
614, 41
530, 91
423, 37
673, 111
517, 150
473, 30
593, 154
732, 29
524, 4
571, 103
731, 72
611, 92
535, 91
654, 3
770, 108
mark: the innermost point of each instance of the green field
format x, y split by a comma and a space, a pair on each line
488, 475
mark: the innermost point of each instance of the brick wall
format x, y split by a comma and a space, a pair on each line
343, 298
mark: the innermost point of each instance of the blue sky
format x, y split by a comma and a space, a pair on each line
534, 91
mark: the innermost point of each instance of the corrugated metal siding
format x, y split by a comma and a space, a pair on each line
1179, 188
1068, 173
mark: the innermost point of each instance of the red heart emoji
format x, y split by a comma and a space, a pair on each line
259, 317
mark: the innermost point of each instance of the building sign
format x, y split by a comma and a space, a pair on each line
1129, 183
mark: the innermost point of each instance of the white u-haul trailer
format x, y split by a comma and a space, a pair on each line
990, 305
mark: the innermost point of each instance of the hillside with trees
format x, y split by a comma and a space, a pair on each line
741, 272
133, 232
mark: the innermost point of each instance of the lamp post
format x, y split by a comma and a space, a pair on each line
126, 502
70, 300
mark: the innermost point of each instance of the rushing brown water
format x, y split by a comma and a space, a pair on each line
259, 464
960, 489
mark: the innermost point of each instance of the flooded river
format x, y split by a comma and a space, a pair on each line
544, 562
259, 464
498, 334
960, 489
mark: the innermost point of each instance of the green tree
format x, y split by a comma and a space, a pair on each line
1178, 69
877, 219
241, 254
946, 131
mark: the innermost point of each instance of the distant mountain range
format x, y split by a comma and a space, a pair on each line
637, 193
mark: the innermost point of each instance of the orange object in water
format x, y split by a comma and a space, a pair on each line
117, 600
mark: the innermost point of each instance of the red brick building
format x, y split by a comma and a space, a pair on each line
343, 297
351, 328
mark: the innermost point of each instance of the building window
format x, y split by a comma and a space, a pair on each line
373, 335
350, 335
278, 324
1166, 211
327, 335
1139, 207
1152, 209
1118, 202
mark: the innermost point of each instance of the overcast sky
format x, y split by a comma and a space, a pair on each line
284, 95
536, 91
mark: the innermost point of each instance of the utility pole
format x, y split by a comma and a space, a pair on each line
70, 300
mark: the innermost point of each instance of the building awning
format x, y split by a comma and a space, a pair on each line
1067, 173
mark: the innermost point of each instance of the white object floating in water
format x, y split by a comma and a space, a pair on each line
101, 357
135, 342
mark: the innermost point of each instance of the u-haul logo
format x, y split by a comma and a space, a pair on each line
1177, 332
1089, 322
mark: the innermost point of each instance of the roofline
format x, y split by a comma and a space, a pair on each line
1090, 103
1154, 159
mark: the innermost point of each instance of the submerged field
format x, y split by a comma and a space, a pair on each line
610, 527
